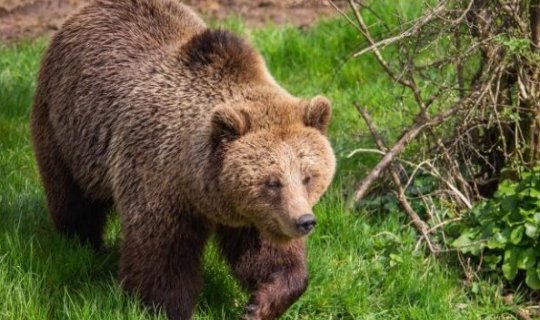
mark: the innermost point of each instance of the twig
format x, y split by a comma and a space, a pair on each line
363, 150
419, 224
365, 32
341, 12
408, 33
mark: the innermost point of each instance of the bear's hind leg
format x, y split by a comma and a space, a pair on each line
71, 213
276, 275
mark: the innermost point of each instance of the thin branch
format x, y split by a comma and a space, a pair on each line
407, 33
419, 224
342, 13
365, 32
363, 150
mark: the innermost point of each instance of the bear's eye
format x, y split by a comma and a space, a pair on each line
306, 180
273, 183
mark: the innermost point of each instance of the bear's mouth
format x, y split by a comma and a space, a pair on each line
274, 232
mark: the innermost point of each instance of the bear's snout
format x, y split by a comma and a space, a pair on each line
306, 223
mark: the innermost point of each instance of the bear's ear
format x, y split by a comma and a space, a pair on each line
228, 124
317, 113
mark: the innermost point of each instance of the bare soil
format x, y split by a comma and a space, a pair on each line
33, 18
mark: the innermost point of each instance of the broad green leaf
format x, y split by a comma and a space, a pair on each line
463, 241
526, 259
506, 188
492, 261
490, 230
509, 267
498, 241
514, 218
509, 203
537, 216
488, 217
478, 210
532, 279
531, 230
517, 234
525, 175
527, 213
534, 193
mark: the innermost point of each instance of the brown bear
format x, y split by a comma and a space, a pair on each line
182, 128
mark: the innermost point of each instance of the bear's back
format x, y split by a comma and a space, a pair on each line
108, 52
110, 40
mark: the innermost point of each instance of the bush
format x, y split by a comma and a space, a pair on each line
504, 232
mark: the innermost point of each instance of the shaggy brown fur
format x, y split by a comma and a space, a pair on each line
183, 129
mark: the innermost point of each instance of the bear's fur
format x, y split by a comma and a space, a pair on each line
141, 106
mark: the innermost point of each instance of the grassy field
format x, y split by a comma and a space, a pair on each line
362, 266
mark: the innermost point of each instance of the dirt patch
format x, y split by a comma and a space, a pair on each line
32, 18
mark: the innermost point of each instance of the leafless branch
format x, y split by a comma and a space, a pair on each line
419, 224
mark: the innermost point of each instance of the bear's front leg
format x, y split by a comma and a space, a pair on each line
275, 274
161, 259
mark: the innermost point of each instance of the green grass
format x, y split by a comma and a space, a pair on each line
362, 266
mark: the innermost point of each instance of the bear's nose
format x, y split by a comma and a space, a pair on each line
306, 223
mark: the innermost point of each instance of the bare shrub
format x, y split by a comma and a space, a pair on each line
477, 108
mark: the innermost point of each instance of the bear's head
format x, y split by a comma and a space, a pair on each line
275, 163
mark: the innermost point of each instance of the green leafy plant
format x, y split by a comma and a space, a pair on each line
505, 230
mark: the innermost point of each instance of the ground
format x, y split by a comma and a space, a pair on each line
31, 18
